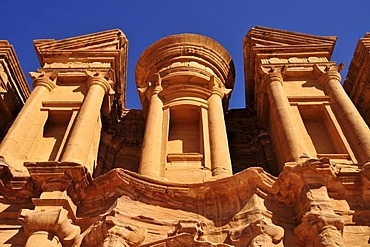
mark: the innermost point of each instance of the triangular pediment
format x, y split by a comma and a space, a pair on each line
107, 40
106, 44
263, 37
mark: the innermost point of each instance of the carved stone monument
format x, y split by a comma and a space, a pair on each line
80, 169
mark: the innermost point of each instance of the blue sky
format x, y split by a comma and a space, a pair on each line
144, 22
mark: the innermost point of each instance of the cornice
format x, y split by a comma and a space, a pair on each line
357, 80
12, 68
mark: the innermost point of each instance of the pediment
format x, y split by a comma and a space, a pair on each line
263, 38
109, 45
107, 40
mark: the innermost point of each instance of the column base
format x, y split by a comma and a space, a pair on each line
220, 172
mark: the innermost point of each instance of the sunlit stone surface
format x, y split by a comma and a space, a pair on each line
290, 169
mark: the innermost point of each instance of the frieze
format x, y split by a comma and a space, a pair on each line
293, 60
77, 65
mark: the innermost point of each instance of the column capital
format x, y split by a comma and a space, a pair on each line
217, 88
271, 74
44, 79
103, 79
153, 87
328, 73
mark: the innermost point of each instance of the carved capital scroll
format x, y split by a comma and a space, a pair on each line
44, 79
103, 79
328, 73
217, 87
269, 75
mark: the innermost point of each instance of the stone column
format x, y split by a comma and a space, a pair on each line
79, 143
12, 146
220, 155
281, 113
351, 121
151, 148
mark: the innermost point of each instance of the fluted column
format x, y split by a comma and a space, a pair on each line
13, 143
151, 148
81, 138
281, 114
351, 121
220, 155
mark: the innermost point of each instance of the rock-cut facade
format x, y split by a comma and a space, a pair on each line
292, 168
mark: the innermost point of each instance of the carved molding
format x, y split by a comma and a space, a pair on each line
3, 80
60, 176
77, 65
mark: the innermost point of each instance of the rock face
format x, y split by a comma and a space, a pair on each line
291, 169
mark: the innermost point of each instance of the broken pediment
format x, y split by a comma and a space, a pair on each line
112, 40
266, 40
